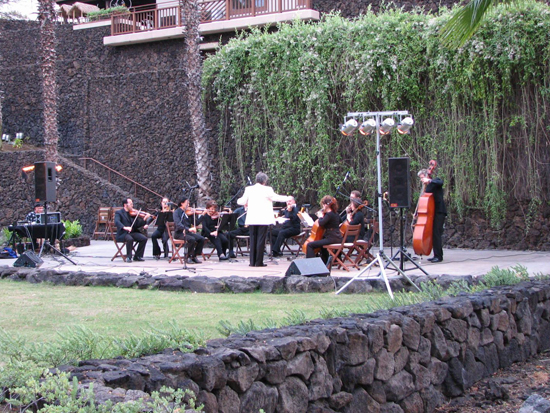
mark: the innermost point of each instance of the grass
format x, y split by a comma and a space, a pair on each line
38, 312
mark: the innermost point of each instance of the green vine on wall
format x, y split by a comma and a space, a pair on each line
478, 110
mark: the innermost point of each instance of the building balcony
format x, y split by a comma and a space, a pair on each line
163, 21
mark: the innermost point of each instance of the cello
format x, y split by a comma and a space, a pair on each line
424, 215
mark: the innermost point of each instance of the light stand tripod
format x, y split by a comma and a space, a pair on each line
380, 256
47, 238
402, 252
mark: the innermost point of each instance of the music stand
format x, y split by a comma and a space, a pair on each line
185, 254
47, 237
227, 222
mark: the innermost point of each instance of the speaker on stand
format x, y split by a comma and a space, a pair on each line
45, 177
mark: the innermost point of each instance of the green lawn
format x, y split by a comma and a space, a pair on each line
38, 311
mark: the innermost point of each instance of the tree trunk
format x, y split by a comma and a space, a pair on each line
47, 16
193, 68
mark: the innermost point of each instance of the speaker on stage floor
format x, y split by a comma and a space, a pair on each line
308, 267
399, 182
28, 259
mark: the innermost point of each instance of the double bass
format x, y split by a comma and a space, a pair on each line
424, 217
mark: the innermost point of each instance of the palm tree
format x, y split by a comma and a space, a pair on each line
193, 68
464, 23
47, 16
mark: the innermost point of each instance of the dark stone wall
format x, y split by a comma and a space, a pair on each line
407, 359
126, 107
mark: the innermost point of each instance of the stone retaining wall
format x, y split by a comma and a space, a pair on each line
212, 285
408, 359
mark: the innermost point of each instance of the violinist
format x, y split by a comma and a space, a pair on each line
354, 214
290, 227
435, 186
329, 220
210, 222
128, 223
241, 230
184, 229
163, 216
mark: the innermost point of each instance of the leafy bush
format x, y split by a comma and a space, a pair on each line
104, 14
73, 229
56, 393
281, 97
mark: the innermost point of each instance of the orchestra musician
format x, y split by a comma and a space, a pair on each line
354, 213
329, 220
435, 186
128, 223
241, 230
259, 199
163, 216
290, 227
32, 217
184, 229
210, 222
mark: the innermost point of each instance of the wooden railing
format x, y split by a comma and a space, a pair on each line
112, 175
167, 15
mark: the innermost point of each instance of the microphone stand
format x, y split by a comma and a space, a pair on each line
186, 255
46, 238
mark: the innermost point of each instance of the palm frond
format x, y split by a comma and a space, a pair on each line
466, 21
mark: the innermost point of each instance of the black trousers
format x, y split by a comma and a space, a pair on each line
278, 235
439, 221
220, 242
313, 245
195, 242
233, 236
140, 239
163, 236
258, 235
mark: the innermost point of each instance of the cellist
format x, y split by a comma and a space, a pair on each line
354, 213
434, 186
329, 220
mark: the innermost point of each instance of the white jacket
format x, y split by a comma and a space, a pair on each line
259, 199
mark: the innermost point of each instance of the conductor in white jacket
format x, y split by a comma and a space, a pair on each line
259, 199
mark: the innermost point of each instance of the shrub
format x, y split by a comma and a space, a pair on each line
73, 229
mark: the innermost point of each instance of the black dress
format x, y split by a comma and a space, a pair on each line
331, 224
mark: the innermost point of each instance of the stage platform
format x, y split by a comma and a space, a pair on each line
459, 262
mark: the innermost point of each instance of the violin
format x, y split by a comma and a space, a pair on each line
424, 217
139, 213
194, 211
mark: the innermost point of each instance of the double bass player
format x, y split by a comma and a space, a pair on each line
434, 186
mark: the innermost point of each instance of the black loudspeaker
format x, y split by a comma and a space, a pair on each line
44, 181
28, 259
399, 182
308, 267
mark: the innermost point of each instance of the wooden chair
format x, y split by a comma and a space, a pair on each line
362, 247
298, 239
102, 223
111, 228
246, 239
335, 250
177, 244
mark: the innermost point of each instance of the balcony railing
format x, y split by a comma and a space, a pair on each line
164, 16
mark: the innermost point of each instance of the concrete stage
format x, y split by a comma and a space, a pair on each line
97, 258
